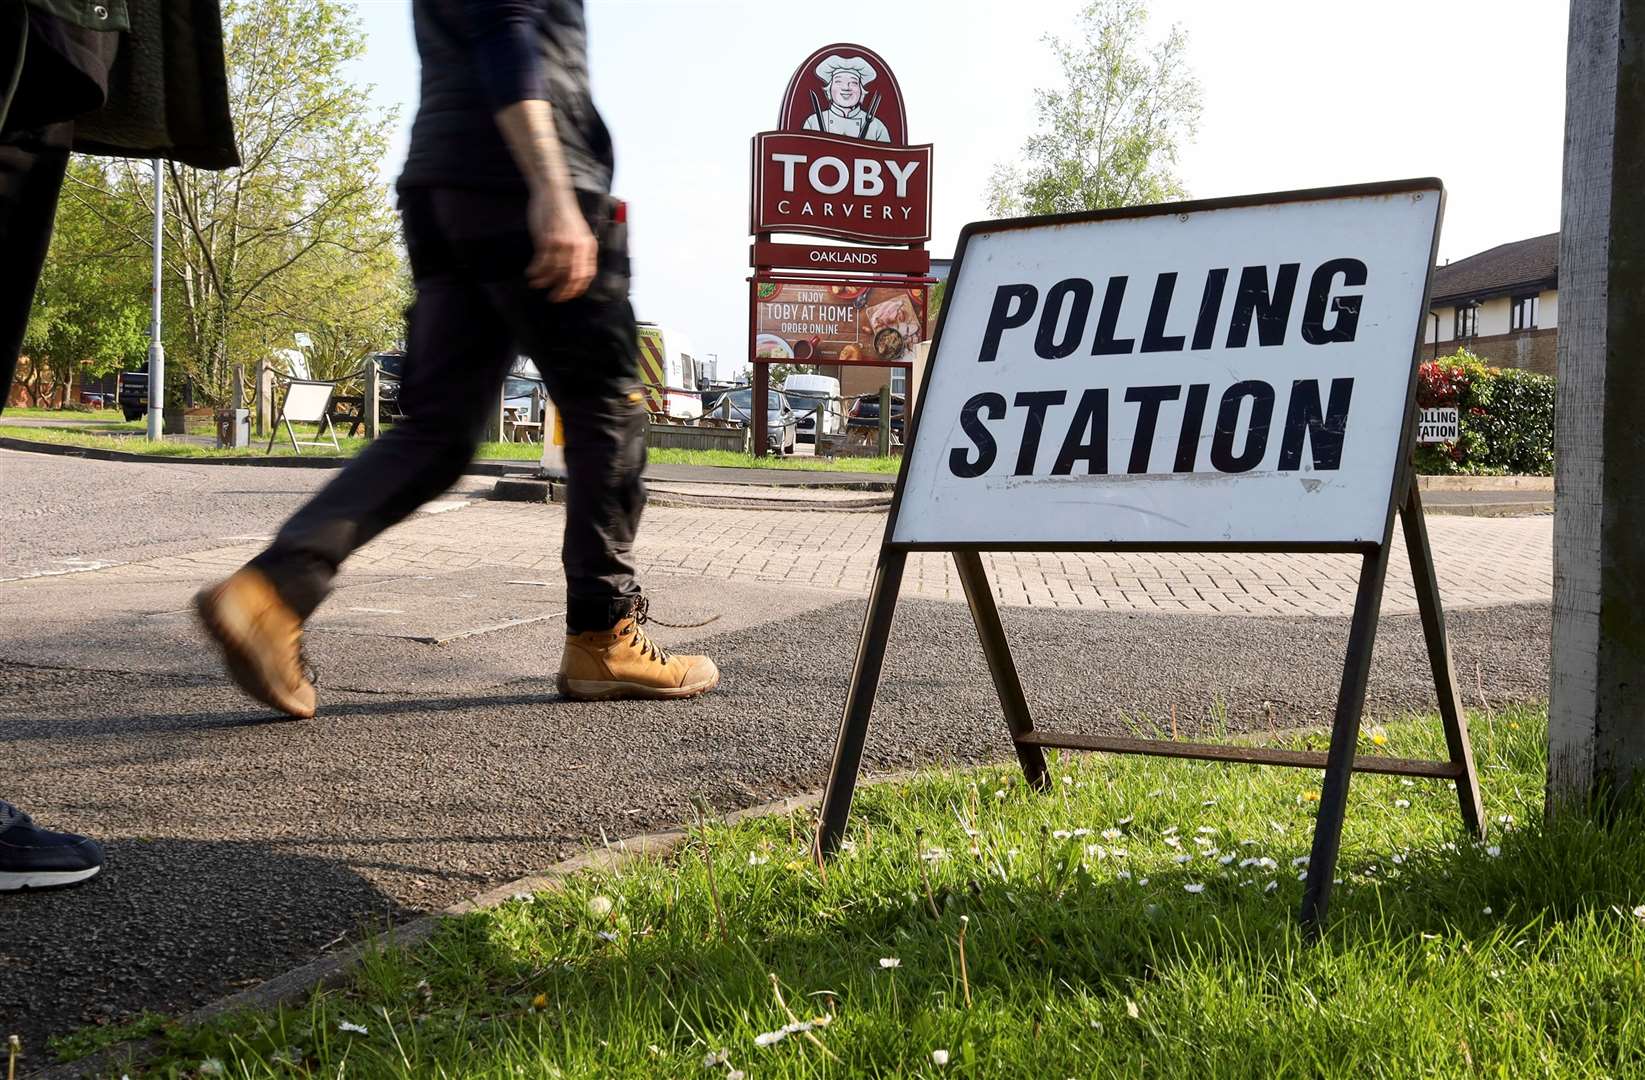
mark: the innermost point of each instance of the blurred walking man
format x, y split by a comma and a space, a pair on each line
516, 246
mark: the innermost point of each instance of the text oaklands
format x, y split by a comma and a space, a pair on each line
1262, 303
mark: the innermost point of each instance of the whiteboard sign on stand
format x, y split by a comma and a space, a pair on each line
1223, 375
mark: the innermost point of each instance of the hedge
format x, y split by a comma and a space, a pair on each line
1506, 417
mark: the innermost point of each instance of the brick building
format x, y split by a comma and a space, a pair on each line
1502, 305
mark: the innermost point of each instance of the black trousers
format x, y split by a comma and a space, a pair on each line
32, 165
473, 315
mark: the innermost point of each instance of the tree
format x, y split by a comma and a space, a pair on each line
90, 312
253, 253
353, 308
1109, 136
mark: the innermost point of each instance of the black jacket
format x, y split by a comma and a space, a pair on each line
464, 44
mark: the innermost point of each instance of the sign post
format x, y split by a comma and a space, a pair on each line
1225, 375
839, 166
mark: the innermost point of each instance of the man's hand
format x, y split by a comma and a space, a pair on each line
566, 252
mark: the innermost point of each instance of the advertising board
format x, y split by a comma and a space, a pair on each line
1234, 374
844, 322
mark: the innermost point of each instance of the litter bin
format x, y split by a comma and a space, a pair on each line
234, 427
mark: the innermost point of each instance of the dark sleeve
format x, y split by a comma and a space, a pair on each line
503, 34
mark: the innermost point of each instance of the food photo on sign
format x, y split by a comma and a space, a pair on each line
839, 323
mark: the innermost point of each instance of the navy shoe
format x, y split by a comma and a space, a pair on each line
32, 858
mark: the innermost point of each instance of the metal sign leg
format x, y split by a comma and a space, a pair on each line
991, 632
859, 700
1339, 759
1426, 580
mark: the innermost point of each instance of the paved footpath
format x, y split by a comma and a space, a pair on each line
442, 761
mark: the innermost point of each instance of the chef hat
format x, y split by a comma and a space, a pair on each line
837, 63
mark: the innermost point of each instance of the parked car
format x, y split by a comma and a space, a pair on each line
781, 424
393, 366
806, 393
132, 393
865, 413
96, 399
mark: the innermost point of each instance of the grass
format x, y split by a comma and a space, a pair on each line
99, 438
1089, 950
81, 414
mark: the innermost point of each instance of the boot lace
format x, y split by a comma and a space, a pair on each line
641, 614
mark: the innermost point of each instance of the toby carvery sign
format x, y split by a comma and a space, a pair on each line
1206, 373
839, 165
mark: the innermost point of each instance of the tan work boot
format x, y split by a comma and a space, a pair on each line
261, 638
622, 662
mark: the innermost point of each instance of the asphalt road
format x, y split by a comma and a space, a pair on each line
240, 846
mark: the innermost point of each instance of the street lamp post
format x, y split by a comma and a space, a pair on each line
157, 351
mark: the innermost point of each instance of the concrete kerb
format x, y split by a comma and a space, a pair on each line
751, 477
329, 971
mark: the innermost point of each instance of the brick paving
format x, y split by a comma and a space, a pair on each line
1482, 561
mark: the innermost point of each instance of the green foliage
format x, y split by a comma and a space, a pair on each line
1506, 418
1109, 135
301, 237
90, 311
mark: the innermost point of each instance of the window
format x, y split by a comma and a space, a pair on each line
1524, 317
1467, 321
899, 380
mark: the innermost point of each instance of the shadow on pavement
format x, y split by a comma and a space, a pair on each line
178, 915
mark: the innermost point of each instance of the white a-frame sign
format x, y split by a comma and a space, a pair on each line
1227, 375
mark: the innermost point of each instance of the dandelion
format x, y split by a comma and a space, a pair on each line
1378, 737
1403, 804
540, 1001
599, 906
890, 962
358, 1029
1196, 889
1309, 796
939, 1057
1493, 851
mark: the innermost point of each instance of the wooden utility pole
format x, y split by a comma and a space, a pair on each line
1596, 730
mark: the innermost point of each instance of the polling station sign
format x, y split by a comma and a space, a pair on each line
1228, 372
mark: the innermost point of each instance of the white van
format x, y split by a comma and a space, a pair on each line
669, 373
804, 393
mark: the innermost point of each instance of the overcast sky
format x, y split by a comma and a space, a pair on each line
1297, 93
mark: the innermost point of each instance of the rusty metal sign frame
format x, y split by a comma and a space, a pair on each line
1338, 762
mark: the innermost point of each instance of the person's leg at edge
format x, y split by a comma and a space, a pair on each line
458, 352
31, 175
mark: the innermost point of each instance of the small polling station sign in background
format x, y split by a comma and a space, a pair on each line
1232, 375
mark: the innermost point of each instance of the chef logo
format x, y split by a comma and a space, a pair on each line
845, 80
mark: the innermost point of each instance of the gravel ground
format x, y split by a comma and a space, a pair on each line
240, 847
